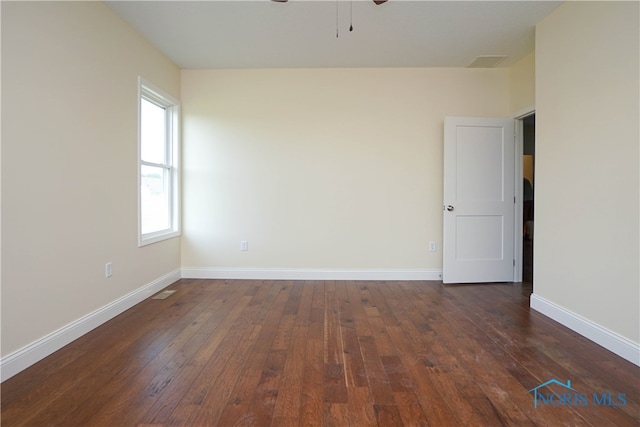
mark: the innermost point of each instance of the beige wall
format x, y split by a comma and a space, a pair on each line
587, 163
322, 168
522, 85
69, 150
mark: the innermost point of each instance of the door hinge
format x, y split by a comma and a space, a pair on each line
514, 262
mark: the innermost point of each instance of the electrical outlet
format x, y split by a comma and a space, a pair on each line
244, 245
108, 270
432, 246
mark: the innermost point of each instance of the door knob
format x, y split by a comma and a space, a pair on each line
449, 208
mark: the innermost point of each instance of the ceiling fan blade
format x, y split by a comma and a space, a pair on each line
282, 1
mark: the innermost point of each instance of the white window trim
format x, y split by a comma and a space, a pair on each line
151, 92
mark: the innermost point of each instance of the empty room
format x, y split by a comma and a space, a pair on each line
337, 213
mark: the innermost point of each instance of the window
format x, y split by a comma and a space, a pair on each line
158, 150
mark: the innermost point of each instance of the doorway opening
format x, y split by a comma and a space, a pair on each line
528, 196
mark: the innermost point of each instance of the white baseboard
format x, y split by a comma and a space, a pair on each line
613, 342
41, 348
307, 274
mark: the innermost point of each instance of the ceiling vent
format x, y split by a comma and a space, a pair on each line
487, 61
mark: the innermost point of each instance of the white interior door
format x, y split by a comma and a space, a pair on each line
479, 203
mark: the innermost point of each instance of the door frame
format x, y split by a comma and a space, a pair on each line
519, 175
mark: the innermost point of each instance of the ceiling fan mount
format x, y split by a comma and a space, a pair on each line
378, 2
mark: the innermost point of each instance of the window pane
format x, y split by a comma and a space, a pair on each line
153, 129
154, 199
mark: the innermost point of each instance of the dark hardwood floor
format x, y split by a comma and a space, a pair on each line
282, 353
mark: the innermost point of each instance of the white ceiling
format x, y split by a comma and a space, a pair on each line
302, 33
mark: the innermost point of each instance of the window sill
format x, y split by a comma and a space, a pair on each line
157, 237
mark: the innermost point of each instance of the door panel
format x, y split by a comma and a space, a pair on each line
479, 204
487, 244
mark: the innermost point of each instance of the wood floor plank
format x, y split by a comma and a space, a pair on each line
136, 346
333, 352
513, 342
357, 302
262, 401
446, 372
435, 407
360, 407
354, 372
220, 385
330, 353
316, 316
398, 374
160, 375
335, 383
303, 316
410, 409
376, 290
288, 403
488, 371
237, 411
211, 358
312, 398
267, 390
142, 394
388, 415
379, 383
551, 366
336, 415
